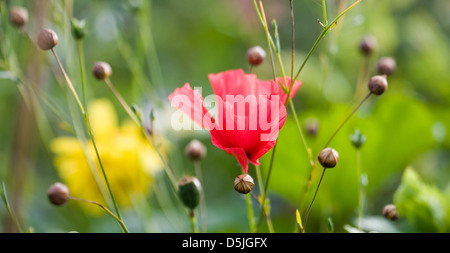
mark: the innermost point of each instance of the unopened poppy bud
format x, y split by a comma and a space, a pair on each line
189, 191
328, 158
58, 194
195, 150
386, 66
368, 45
357, 138
78, 28
256, 55
102, 70
47, 39
390, 212
378, 84
244, 183
18, 16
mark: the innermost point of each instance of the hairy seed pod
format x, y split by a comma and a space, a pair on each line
101, 70
47, 39
328, 158
386, 66
18, 16
256, 55
189, 191
378, 84
58, 194
195, 150
390, 212
243, 183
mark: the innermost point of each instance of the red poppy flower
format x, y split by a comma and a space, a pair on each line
249, 115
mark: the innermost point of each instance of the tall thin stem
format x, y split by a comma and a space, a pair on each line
250, 213
198, 173
82, 70
90, 132
312, 201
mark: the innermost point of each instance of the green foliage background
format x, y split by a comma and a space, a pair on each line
407, 127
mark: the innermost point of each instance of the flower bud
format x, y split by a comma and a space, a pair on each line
312, 126
386, 66
357, 138
189, 191
328, 158
47, 39
390, 212
78, 28
58, 194
102, 70
256, 55
195, 150
378, 84
18, 16
244, 183
368, 45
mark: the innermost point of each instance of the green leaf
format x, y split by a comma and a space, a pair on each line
424, 206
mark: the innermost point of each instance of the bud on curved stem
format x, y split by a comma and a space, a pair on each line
378, 84
58, 194
47, 39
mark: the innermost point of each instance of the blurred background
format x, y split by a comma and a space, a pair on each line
155, 46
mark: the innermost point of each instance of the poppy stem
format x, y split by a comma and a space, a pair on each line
250, 213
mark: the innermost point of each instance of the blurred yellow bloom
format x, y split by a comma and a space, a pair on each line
128, 159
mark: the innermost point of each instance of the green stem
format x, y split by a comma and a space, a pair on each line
198, 173
312, 201
324, 10
10, 211
324, 32
91, 134
250, 213
193, 221
104, 208
82, 71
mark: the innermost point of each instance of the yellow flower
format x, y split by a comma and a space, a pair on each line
128, 159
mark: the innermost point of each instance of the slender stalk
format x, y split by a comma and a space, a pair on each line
250, 213
138, 123
312, 201
90, 132
198, 173
263, 198
291, 5
324, 10
193, 221
346, 119
120, 221
82, 71
324, 32
10, 210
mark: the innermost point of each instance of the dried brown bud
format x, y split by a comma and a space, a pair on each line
378, 84
244, 183
195, 150
47, 39
58, 194
102, 70
18, 16
256, 55
368, 45
328, 158
386, 66
390, 212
